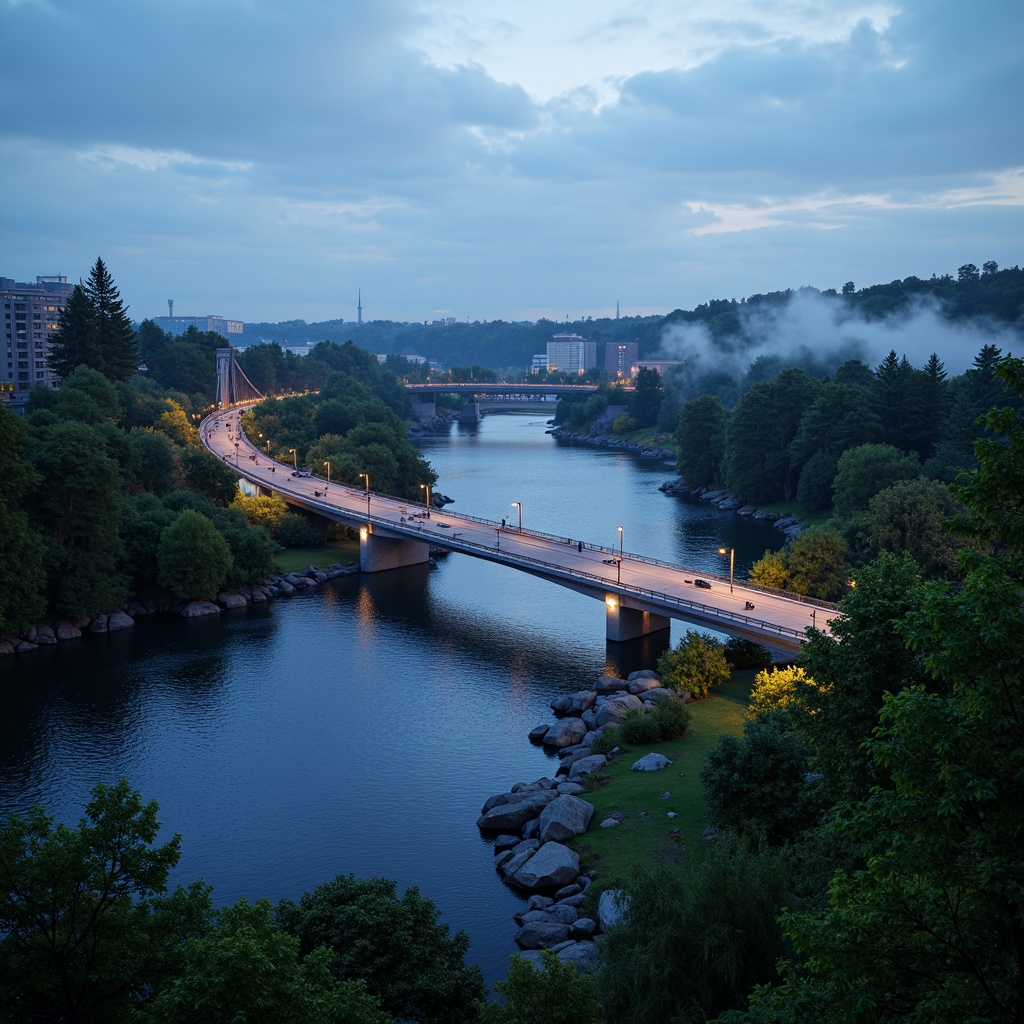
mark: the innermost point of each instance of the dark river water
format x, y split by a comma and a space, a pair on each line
359, 727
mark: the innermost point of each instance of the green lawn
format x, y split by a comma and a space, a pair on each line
296, 559
613, 851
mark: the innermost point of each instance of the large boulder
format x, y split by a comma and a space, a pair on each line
614, 710
565, 817
512, 816
650, 763
65, 630
586, 765
119, 620
44, 635
583, 955
611, 908
644, 683
610, 684
194, 609
230, 599
551, 867
541, 935
566, 733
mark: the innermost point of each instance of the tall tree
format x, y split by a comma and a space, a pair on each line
115, 336
74, 344
701, 440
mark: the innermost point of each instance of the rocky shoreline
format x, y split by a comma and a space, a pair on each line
532, 821
722, 499
164, 603
645, 451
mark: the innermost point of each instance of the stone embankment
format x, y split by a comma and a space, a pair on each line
533, 821
645, 451
721, 499
164, 603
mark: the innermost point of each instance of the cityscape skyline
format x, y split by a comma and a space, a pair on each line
485, 161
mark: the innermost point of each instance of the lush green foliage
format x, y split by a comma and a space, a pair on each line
867, 469
396, 945
811, 563
668, 721
743, 654
555, 993
700, 437
696, 665
777, 689
193, 559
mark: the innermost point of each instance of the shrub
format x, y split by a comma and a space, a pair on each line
610, 738
776, 689
746, 654
697, 664
624, 424
296, 531
554, 993
640, 728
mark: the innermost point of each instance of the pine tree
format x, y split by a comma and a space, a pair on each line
74, 343
115, 336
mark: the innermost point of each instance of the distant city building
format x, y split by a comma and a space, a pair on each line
31, 319
382, 358
217, 324
571, 353
540, 363
661, 365
620, 357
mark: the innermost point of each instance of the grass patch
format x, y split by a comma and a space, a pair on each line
296, 559
614, 851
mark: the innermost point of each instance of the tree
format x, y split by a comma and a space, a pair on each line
647, 397
777, 689
86, 927
22, 577
929, 928
115, 337
263, 510
814, 491
771, 570
74, 344
553, 993
867, 469
701, 440
696, 665
816, 559
246, 969
193, 559
208, 476
396, 945
156, 460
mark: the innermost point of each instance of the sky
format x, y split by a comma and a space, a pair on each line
264, 160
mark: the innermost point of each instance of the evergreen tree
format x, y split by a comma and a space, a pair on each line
74, 343
115, 336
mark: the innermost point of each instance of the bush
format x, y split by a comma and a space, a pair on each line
640, 728
624, 424
296, 531
554, 993
746, 654
610, 738
696, 665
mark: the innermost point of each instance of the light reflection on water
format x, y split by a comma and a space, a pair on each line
358, 728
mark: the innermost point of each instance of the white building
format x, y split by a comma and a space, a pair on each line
571, 353
180, 324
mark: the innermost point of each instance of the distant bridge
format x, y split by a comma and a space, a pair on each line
423, 394
641, 595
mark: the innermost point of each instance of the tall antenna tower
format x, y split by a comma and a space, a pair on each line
170, 307
616, 309
359, 308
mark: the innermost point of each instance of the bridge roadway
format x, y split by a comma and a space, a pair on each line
640, 599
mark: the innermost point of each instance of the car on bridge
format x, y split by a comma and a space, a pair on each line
703, 584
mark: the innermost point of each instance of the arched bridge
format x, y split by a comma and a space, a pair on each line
640, 595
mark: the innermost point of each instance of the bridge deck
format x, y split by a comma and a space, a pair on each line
642, 583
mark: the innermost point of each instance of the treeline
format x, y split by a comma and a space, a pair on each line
730, 323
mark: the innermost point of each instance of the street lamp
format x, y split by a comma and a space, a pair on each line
295, 458
366, 477
731, 552
328, 465
268, 445
519, 505
619, 564
426, 487
236, 455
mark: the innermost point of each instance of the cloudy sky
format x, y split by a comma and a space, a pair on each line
485, 159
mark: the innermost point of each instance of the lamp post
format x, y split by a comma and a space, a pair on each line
268, 445
731, 552
619, 563
236, 455
426, 487
328, 465
366, 477
295, 458
519, 505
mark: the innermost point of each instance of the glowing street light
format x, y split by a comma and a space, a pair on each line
236, 455
619, 564
366, 477
519, 505
295, 458
426, 487
328, 465
731, 552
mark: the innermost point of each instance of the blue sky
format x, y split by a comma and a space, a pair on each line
264, 159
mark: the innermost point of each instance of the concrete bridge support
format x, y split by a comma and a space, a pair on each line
470, 412
423, 408
625, 623
378, 553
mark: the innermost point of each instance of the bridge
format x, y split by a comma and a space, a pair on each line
640, 594
423, 407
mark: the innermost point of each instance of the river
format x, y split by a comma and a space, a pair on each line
360, 726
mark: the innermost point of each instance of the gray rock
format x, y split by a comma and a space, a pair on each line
259, 595
229, 599
583, 928
535, 916
582, 954
609, 823
501, 859
613, 711
541, 935
610, 684
566, 816
99, 624
525, 845
538, 732
533, 787
194, 609
570, 788
611, 908
24, 646
562, 913
512, 816
530, 829
538, 902
643, 673
119, 621
644, 683
586, 765
650, 763
573, 901
45, 636
67, 631
286, 588
551, 867
589, 719
570, 890
566, 733
514, 863
505, 842
6, 647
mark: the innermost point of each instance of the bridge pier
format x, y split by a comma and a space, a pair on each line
378, 553
470, 412
624, 623
424, 408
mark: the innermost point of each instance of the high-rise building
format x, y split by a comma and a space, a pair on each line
619, 357
31, 319
217, 324
571, 353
